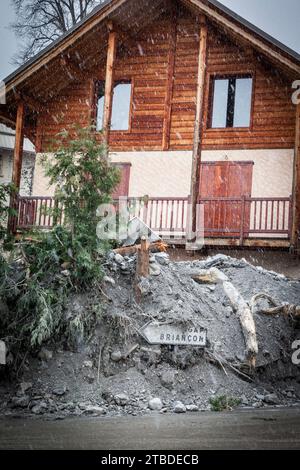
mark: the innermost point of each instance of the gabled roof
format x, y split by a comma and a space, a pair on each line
278, 53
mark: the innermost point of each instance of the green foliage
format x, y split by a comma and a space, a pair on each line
43, 273
223, 403
6, 191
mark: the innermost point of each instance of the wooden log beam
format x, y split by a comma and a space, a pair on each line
296, 186
196, 161
109, 80
142, 267
170, 79
19, 141
32, 103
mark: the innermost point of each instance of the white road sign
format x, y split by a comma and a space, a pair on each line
167, 333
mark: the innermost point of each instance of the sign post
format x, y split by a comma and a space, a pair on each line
180, 335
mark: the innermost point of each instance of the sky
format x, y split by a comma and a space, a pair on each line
279, 18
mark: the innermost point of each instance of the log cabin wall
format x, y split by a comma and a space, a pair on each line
273, 114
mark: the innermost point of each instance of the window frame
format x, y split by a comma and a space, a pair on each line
130, 117
211, 87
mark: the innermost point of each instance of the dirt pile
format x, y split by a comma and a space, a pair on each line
117, 371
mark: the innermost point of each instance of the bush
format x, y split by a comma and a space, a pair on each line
223, 403
44, 272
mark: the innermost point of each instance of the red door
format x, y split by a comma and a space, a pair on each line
123, 187
222, 185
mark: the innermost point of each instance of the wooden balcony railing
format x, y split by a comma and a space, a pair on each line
241, 218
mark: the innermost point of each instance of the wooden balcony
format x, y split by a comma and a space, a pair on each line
245, 221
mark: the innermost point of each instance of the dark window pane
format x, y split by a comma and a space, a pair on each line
242, 109
220, 102
121, 107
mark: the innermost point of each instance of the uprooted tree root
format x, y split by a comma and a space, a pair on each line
288, 310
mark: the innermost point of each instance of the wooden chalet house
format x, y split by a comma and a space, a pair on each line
195, 104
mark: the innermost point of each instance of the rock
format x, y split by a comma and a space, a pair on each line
119, 259
2, 353
116, 356
144, 286
168, 379
257, 404
193, 408
154, 269
89, 376
88, 364
45, 354
271, 399
20, 402
109, 280
121, 399
179, 407
59, 390
162, 258
24, 386
155, 404
94, 410
40, 408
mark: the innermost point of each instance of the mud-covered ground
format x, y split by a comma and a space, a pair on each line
118, 372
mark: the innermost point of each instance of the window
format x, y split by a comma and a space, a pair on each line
120, 107
231, 102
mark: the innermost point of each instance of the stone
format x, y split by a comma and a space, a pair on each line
59, 390
2, 353
179, 407
154, 269
168, 379
24, 386
88, 364
271, 399
40, 408
121, 399
192, 408
20, 402
116, 356
109, 280
162, 258
94, 410
257, 404
144, 286
45, 354
155, 404
119, 259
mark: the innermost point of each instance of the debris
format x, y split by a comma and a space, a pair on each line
192, 408
271, 399
92, 410
116, 356
20, 402
155, 404
138, 229
40, 408
168, 379
25, 386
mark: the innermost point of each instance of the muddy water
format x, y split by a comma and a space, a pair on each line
261, 429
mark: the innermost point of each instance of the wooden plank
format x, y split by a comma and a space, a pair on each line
170, 79
198, 124
19, 141
296, 185
109, 80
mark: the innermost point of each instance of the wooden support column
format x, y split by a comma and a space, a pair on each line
296, 186
196, 161
170, 79
18, 152
109, 80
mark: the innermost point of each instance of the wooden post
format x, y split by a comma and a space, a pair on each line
170, 79
195, 177
296, 186
109, 80
19, 141
142, 267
